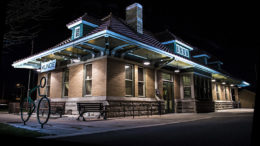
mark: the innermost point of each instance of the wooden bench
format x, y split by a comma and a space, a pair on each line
58, 108
91, 107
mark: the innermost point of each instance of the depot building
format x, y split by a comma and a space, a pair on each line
119, 63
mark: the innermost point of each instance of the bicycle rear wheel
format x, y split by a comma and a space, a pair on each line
27, 107
43, 110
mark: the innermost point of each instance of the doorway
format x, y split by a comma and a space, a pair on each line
168, 96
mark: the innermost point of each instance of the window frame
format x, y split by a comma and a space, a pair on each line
85, 79
130, 80
63, 83
144, 87
190, 86
77, 29
217, 92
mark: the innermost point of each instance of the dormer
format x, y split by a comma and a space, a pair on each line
82, 26
179, 47
217, 64
203, 58
175, 44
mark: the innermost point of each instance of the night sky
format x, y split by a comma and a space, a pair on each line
227, 30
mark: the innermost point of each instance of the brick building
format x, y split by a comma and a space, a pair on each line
119, 63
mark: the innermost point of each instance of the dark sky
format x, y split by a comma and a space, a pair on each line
227, 30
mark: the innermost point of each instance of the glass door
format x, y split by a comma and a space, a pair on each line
168, 96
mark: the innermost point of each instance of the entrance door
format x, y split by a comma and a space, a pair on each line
168, 96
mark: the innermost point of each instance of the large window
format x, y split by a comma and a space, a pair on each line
141, 82
186, 80
128, 80
88, 79
225, 88
202, 87
217, 92
65, 83
48, 85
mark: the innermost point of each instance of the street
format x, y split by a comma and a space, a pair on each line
228, 130
227, 127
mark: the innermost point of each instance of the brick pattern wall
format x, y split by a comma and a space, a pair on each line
115, 78
76, 81
56, 84
134, 108
176, 81
99, 77
149, 83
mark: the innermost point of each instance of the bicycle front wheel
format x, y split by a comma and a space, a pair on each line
43, 110
26, 108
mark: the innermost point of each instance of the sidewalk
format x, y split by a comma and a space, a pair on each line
69, 126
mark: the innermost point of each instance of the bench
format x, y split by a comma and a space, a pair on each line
57, 108
91, 107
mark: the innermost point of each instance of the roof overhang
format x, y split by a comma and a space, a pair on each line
31, 62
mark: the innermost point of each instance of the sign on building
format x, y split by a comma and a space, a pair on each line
47, 66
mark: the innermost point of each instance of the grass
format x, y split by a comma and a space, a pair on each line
6, 129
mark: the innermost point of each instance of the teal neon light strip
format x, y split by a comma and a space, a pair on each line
93, 46
60, 48
201, 55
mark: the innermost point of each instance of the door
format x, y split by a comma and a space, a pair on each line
168, 96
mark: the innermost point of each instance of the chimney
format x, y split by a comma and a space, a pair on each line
134, 17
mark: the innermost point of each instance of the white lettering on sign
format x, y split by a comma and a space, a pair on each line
50, 65
182, 51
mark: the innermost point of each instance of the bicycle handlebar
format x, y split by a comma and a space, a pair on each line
38, 87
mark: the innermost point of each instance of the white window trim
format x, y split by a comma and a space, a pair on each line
132, 80
75, 32
144, 86
85, 79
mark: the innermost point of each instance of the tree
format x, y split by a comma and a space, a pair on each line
24, 18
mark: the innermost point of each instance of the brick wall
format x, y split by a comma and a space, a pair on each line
176, 81
99, 77
149, 83
76, 81
115, 78
56, 84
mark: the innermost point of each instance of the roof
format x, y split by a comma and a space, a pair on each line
87, 18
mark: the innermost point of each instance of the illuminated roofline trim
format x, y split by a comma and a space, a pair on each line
201, 55
81, 21
60, 48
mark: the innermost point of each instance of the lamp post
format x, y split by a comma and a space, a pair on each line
30, 72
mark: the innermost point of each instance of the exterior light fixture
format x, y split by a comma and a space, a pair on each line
38, 70
147, 63
232, 85
76, 60
213, 80
223, 83
177, 71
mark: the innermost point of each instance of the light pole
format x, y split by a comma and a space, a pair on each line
30, 71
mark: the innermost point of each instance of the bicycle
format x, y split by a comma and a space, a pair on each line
27, 106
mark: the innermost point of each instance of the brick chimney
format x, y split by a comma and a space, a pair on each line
134, 17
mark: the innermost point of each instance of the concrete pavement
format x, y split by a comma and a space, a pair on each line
69, 126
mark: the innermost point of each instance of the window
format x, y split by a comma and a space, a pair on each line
186, 79
182, 51
65, 83
77, 32
141, 83
88, 79
166, 77
217, 92
48, 84
129, 80
225, 88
